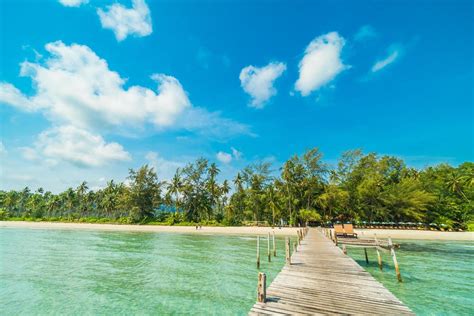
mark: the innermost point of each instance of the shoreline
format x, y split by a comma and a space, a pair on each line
218, 230
238, 230
415, 234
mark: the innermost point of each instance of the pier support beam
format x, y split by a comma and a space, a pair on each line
268, 249
395, 261
258, 252
274, 245
344, 249
287, 252
262, 287
379, 257
366, 257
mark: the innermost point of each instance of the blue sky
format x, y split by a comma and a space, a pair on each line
85, 95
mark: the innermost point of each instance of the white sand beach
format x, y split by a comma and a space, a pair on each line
237, 230
414, 234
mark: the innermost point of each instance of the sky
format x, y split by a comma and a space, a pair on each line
89, 89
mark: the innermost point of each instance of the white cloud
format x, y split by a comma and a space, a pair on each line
124, 21
394, 52
224, 157
76, 87
164, 168
236, 154
321, 63
258, 82
77, 146
73, 3
364, 33
11, 95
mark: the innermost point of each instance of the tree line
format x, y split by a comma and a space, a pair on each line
361, 187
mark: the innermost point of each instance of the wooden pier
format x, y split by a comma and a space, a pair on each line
322, 280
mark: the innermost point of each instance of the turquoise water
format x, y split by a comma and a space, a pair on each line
438, 276
72, 272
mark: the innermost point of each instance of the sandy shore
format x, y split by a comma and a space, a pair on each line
241, 230
415, 234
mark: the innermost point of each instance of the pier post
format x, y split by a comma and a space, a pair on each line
335, 238
287, 252
258, 252
379, 257
366, 257
295, 246
268, 249
395, 261
330, 235
274, 246
344, 249
262, 287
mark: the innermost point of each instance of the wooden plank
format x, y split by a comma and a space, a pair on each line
321, 280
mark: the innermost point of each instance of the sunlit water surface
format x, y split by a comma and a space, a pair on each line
72, 272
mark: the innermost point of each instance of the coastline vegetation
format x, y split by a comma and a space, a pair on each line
360, 188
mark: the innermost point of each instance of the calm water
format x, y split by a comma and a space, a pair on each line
438, 276
84, 272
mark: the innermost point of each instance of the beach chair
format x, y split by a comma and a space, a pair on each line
349, 231
339, 230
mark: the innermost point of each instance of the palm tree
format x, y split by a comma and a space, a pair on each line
455, 182
81, 191
175, 187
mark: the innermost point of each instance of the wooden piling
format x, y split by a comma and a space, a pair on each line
268, 249
287, 252
274, 246
395, 261
344, 249
379, 257
335, 238
366, 257
258, 252
262, 287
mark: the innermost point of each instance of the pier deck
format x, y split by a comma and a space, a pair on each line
323, 280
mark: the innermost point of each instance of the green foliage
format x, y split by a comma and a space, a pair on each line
360, 188
309, 215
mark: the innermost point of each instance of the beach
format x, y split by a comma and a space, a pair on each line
219, 230
239, 230
414, 234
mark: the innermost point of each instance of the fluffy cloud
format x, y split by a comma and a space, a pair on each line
124, 21
74, 87
394, 52
321, 63
258, 82
77, 146
224, 157
73, 3
364, 33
